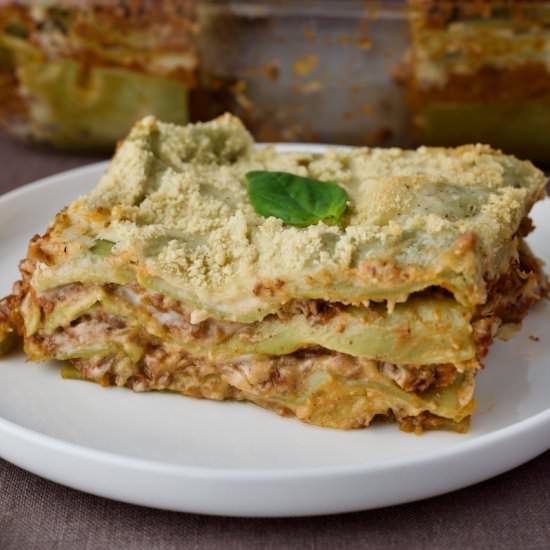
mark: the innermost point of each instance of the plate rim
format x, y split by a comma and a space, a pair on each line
263, 474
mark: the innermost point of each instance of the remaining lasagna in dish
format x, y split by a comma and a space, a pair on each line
172, 275
79, 74
479, 71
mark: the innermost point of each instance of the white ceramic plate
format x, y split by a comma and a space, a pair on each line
179, 453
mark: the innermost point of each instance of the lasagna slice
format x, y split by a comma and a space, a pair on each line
165, 277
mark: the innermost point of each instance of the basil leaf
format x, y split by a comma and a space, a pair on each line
294, 199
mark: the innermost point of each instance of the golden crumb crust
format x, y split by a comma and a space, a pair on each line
174, 207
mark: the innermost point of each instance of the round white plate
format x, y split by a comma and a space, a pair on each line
179, 453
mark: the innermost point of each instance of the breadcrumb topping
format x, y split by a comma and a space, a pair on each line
177, 207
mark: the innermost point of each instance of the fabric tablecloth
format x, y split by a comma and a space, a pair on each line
511, 511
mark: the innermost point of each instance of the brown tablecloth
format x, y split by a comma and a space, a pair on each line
511, 511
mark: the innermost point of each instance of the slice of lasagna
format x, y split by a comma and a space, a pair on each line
165, 277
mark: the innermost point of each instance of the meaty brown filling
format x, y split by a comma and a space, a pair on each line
509, 299
419, 379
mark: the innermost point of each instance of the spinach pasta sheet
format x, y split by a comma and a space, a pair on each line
165, 276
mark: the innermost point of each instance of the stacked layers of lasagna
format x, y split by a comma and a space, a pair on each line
479, 71
164, 277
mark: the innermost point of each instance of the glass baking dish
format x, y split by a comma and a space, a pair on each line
316, 71
358, 72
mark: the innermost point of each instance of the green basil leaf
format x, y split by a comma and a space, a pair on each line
294, 199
